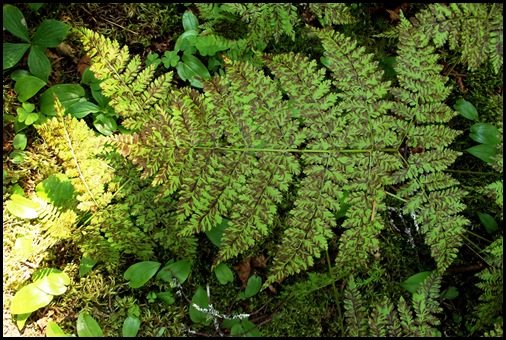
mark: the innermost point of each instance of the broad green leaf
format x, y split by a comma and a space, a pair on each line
21, 319
105, 125
15, 75
22, 207
215, 233
245, 328
185, 40
23, 246
28, 299
466, 109
38, 63
224, 274
87, 326
229, 323
19, 142
200, 299
485, 133
82, 109
190, 22
140, 273
53, 330
12, 53
86, 265
67, 94
166, 297
18, 157
14, 22
50, 33
483, 152
54, 275
414, 281
51, 285
196, 66
57, 190
488, 222
131, 326
450, 293
27, 87
252, 288
180, 270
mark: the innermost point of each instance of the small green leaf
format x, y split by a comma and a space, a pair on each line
466, 109
485, 133
195, 67
483, 152
86, 265
53, 330
28, 299
38, 63
131, 326
229, 323
252, 288
35, 6
22, 207
185, 40
21, 319
51, 284
18, 157
87, 326
450, 293
200, 299
12, 54
224, 274
166, 297
180, 270
27, 87
414, 281
23, 247
67, 94
19, 142
190, 21
215, 233
50, 33
54, 274
140, 273
14, 22
82, 109
31, 118
488, 222
245, 328
105, 125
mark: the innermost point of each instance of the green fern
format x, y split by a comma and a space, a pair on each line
233, 151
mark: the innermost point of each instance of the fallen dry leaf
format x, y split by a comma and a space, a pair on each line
243, 270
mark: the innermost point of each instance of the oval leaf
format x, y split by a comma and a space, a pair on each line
19, 142
215, 233
140, 273
28, 299
450, 294
224, 274
14, 22
50, 33
166, 297
412, 283
53, 330
50, 285
22, 207
131, 326
252, 288
82, 109
488, 222
87, 326
483, 152
86, 265
23, 247
195, 66
67, 94
26, 87
190, 21
38, 63
185, 40
57, 190
54, 274
485, 133
180, 270
466, 109
12, 54
200, 299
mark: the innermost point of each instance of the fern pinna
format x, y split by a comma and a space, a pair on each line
231, 153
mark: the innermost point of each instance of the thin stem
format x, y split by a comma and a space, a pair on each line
290, 150
472, 172
336, 294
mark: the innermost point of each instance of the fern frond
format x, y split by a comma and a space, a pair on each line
355, 314
332, 13
431, 203
474, 29
77, 146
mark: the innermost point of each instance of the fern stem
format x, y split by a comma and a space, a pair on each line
472, 172
397, 197
290, 150
478, 236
